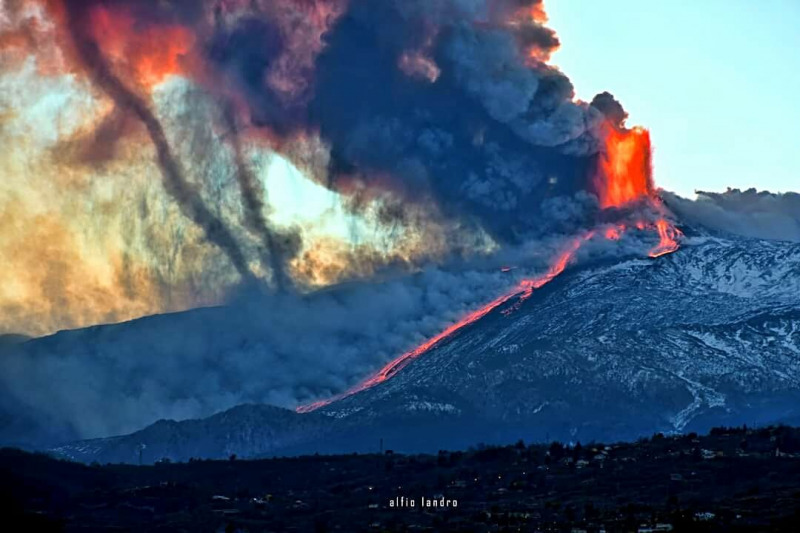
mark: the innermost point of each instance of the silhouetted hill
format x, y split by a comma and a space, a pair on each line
734, 479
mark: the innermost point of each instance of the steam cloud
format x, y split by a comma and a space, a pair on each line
760, 215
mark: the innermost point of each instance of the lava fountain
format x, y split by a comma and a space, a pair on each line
624, 176
624, 173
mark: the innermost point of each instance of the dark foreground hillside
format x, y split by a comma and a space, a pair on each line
730, 480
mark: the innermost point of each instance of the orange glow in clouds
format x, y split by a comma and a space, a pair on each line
614, 233
152, 53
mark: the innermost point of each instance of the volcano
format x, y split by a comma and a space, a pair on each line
343, 180
612, 350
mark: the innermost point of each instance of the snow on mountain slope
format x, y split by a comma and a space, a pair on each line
709, 335
650, 344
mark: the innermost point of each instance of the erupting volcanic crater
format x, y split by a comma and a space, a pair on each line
623, 179
306, 204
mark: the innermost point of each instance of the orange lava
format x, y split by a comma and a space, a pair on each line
151, 53
614, 233
624, 175
624, 169
522, 292
668, 235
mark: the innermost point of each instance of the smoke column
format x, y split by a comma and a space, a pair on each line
252, 196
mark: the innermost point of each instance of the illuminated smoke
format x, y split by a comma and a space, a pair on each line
253, 200
192, 204
440, 123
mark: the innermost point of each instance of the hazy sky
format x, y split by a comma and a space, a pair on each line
716, 81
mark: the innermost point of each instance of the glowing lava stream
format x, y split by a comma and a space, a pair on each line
668, 244
668, 235
623, 177
522, 291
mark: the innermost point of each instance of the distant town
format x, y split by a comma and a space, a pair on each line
738, 479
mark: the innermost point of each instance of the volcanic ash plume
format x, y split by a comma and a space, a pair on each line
180, 149
174, 154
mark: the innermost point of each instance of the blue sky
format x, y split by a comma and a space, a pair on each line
716, 82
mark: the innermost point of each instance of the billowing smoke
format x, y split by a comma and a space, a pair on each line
760, 215
165, 120
116, 379
439, 135
119, 378
488, 132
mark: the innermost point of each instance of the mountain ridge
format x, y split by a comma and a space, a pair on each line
707, 336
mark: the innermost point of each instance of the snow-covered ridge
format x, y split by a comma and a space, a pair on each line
706, 336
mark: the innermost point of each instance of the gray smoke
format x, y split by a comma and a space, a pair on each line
115, 379
760, 215
488, 134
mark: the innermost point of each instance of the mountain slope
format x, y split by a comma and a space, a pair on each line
709, 335
245, 430
615, 350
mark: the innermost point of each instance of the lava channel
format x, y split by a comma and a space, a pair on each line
522, 292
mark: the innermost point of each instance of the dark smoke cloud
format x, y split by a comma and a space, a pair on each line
760, 215
253, 201
611, 108
244, 54
488, 139
489, 133
475, 125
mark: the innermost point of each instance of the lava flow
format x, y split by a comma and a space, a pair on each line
522, 291
623, 178
668, 235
